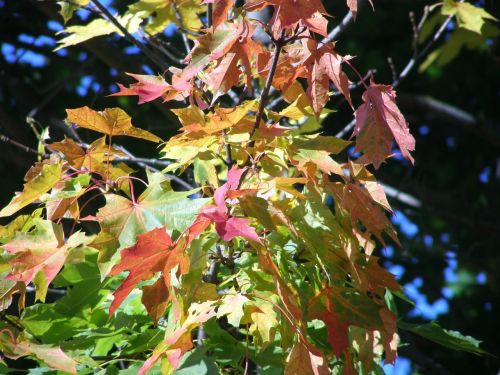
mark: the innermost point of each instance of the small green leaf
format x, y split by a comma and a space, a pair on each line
449, 339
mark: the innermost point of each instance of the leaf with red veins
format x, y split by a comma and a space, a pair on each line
378, 122
324, 65
288, 13
220, 10
149, 88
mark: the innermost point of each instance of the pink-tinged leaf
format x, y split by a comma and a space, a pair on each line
41, 251
238, 227
54, 357
378, 121
226, 225
323, 65
353, 6
179, 342
147, 87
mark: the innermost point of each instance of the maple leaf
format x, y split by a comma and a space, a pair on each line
41, 253
324, 65
17, 347
111, 121
229, 44
98, 27
158, 14
179, 341
469, 16
288, 13
155, 298
226, 225
306, 359
149, 88
220, 10
156, 207
153, 252
39, 181
378, 122
96, 158
361, 206
148, 256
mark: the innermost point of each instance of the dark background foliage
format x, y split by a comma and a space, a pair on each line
446, 206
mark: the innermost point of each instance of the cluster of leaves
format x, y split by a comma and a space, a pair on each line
260, 269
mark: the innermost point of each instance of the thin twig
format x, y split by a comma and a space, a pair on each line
264, 97
339, 29
21, 146
150, 54
413, 61
183, 30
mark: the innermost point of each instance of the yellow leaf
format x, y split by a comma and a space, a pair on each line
111, 121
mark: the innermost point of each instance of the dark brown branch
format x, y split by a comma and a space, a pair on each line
21, 146
264, 97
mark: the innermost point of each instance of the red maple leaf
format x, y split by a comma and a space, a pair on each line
324, 65
378, 122
154, 252
289, 13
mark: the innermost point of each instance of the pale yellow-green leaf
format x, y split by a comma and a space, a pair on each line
98, 27
468, 15
68, 8
160, 13
47, 178
232, 307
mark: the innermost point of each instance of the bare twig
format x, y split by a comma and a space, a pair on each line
418, 56
182, 29
150, 54
346, 21
264, 97
21, 146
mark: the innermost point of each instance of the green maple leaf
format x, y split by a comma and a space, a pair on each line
156, 207
468, 16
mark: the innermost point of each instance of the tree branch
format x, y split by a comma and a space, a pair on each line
264, 97
150, 54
